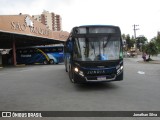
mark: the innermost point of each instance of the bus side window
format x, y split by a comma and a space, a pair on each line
54, 50
25, 51
60, 49
19, 51
31, 51
36, 51
46, 50
49, 50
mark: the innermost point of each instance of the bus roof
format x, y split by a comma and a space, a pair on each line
97, 26
98, 29
40, 47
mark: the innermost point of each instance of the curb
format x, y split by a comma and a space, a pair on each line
150, 62
20, 65
1, 66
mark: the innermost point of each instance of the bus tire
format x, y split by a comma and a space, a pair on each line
71, 75
51, 61
45, 62
65, 66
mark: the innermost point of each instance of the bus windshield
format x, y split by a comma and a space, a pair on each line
100, 48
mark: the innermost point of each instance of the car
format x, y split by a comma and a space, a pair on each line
133, 53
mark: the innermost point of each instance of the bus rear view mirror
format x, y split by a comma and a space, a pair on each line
70, 46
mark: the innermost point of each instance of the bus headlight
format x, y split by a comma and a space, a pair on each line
79, 71
76, 69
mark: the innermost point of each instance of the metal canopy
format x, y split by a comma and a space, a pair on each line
26, 31
6, 40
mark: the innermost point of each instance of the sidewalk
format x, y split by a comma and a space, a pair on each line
156, 59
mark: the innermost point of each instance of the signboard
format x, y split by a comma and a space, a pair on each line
26, 25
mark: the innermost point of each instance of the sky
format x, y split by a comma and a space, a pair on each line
122, 13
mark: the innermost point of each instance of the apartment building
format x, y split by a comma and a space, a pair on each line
51, 20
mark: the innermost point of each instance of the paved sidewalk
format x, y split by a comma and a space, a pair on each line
156, 59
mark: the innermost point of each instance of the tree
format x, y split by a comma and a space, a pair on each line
151, 49
123, 36
129, 41
158, 42
140, 41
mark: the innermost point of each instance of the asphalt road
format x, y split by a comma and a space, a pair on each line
48, 88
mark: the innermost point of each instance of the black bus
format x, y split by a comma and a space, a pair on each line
94, 53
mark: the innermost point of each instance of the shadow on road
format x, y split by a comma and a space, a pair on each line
96, 86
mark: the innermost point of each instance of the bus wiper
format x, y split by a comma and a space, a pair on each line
109, 37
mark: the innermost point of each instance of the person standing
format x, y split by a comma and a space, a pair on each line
144, 56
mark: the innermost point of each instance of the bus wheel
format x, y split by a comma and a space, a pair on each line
51, 61
71, 75
45, 62
65, 66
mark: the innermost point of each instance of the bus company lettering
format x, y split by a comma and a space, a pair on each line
26, 56
91, 72
96, 72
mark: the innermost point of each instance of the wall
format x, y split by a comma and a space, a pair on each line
0, 60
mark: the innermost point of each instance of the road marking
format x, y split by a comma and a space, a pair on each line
141, 72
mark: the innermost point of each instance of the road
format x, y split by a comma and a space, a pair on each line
48, 88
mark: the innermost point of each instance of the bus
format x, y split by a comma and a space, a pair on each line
94, 53
39, 55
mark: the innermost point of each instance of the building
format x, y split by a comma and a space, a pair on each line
51, 20
22, 31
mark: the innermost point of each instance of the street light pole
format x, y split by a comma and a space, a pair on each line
134, 29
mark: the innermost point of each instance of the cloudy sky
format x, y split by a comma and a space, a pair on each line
123, 13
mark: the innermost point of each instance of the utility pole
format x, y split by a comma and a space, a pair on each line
134, 28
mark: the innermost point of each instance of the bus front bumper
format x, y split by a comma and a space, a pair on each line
105, 78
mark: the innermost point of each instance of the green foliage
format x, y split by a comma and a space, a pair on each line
151, 49
129, 41
140, 41
158, 42
123, 36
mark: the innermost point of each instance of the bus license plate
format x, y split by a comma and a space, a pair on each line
101, 78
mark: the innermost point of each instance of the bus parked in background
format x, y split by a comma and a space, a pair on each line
39, 55
94, 53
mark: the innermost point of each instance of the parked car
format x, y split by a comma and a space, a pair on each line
133, 53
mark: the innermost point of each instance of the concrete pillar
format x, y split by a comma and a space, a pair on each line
0, 59
14, 52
